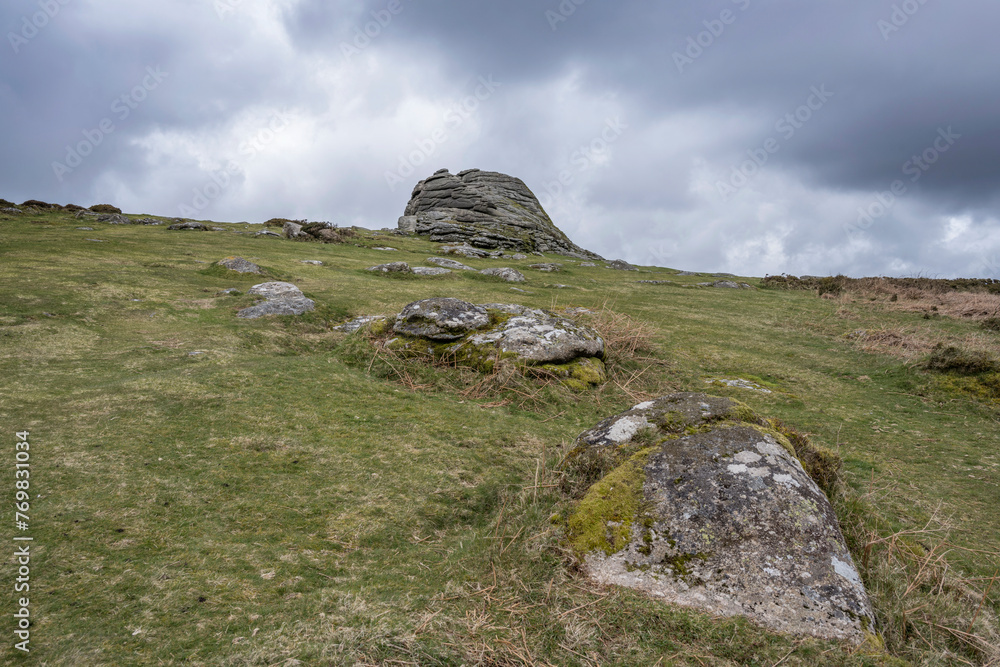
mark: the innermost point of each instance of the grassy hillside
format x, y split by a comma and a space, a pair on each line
208, 490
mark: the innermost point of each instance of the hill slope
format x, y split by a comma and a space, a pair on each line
211, 490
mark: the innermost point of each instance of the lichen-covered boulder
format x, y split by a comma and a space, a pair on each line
710, 509
275, 290
440, 319
539, 337
239, 265
430, 271
188, 226
293, 230
506, 274
546, 267
449, 264
280, 299
391, 267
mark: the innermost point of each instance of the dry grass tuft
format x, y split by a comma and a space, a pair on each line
924, 606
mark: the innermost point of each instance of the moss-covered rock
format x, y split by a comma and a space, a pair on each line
698, 501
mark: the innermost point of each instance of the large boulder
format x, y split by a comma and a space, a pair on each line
442, 319
484, 209
539, 337
280, 299
699, 503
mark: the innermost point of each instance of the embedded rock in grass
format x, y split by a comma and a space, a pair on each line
507, 274
359, 323
485, 210
621, 265
440, 319
546, 267
194, 226
275, 290
114, 219
430, 271
239, 265
392, 267
449, 264
710, 510
465, 250
281, 299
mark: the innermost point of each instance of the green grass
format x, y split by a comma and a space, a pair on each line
280, 496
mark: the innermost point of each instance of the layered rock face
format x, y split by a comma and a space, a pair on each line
485, 209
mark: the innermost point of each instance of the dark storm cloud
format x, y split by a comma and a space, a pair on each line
752, 135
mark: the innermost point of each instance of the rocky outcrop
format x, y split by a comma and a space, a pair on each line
193, 226
482, 336
484, 209
698, 502
621, 265
280, 299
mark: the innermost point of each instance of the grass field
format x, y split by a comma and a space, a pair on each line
208, 490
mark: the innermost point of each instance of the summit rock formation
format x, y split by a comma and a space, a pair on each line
484, 209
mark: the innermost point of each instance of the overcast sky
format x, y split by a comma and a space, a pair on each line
750, 136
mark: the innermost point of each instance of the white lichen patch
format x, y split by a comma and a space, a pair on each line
846, 570
787, 480
626, 427
770, 448
746, 456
